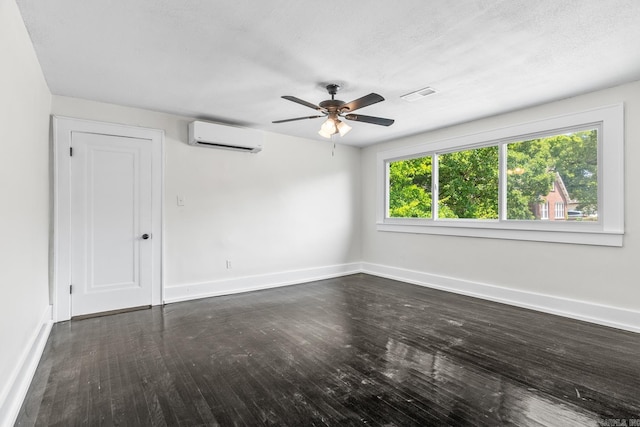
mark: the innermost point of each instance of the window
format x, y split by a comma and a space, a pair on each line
500, 183
468, 180
563, 163
410, 188
544, 210
559, 211
468, 184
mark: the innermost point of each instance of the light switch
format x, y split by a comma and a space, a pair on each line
180, 200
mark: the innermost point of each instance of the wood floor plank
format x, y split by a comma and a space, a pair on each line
347, 351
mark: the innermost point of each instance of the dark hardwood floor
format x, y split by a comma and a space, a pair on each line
357, 350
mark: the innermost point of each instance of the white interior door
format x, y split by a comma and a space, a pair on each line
110, 222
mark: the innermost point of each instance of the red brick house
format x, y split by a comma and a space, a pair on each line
556, 203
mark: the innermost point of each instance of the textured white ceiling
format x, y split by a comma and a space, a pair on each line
230, 61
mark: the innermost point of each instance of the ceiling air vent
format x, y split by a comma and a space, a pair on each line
418, 94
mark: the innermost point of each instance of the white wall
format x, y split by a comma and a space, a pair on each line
24, 209
596, 275
291, 207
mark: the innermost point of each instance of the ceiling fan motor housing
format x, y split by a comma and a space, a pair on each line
332, 105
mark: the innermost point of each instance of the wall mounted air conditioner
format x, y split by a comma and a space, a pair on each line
213, 135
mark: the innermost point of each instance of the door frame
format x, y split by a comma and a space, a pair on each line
63, 129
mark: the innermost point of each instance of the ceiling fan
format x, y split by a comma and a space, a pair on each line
334, 109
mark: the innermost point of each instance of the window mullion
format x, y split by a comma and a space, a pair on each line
502, 182
434, 186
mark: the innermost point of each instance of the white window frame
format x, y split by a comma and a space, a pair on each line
558, 211
544, 210
608, 230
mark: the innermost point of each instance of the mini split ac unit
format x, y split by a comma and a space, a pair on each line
213, 135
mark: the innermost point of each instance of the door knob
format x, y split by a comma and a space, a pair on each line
145, 236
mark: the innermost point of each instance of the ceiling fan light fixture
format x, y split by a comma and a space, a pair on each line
329, 127
343, 128
324, 134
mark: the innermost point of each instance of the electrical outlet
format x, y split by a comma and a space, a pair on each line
228, 265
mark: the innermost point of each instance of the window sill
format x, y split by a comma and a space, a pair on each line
580, 234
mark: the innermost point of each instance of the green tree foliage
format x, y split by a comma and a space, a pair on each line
410, 188
468, 184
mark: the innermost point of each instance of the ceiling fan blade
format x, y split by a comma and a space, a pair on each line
366, 100
297, 118
302, 102
369, 119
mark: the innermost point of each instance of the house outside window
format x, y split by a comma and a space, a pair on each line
560, 199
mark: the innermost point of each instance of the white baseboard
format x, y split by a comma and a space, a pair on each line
19, 382
254, 283
628, 320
